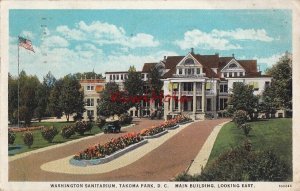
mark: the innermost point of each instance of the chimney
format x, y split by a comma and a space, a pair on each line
165, 58
217, 54
192, 50
233, 55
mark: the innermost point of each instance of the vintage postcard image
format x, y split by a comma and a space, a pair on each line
131, 96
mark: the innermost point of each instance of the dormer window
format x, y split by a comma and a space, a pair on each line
232, 66
189, 61
179, 71
198, 70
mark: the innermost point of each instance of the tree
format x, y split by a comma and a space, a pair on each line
54, 104
281, 74
134, 86
111, 103
71, 97
155, 83
48, 84
12, 99
269, 102
242, 98
42, 100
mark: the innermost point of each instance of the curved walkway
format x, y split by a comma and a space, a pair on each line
161, 164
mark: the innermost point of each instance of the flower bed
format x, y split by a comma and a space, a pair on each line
108, 158
152, 131
17, 129
181, 119
170, 123
100, 151
155, 135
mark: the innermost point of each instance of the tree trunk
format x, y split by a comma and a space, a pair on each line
68, 116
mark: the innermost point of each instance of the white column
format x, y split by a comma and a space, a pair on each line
179, 96
194, 99
203, 97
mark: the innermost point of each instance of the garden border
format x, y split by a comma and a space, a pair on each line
156, 135
84, 163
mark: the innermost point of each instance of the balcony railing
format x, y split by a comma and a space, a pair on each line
189, 75
191, 93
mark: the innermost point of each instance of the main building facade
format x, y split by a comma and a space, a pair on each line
196, 84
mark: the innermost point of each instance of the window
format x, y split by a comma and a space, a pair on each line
235, 74
176, 104
241, 73
230, 74
90, 102
192, 71
267, 84
90, 113
89, 87
188, 86
232, 66
208, 86
223, 88
110, 77
121, 76
179, 71
198, 70
143, 76
114, 77
225, 74
189, 71
189, 61
223, 103
208, 104
117, 77
98, 100
254, 85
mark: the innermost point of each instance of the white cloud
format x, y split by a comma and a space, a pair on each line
28, 35
54, 41
70, 33
105, 34
203, 40
243, 34
269, 61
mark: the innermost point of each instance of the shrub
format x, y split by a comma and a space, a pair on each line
268, 167
239, 117
78, 117
246, 128
28, 138
67, 131
49, 133
100, 122
81, 127
11, 137
125, 119
241, 164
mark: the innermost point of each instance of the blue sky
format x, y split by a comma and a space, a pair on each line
69, 41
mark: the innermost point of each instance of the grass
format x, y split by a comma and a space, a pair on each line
272, 134
39, 141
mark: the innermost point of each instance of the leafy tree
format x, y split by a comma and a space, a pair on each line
281, 73
71, 98
242, 98
269, 102
111, 103
27, 99
155, 83
48, 84
133, 85
54, 105
12, 99
42, 100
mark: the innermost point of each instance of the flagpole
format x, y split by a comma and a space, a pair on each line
18, 84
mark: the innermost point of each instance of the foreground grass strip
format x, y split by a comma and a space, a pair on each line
272, 134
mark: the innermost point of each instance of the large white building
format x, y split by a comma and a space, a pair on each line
194, 84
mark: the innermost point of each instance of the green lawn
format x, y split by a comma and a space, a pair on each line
275, 134
39, 141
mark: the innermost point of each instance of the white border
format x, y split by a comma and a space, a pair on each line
157, 4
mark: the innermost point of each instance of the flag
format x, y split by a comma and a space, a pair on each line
25, 43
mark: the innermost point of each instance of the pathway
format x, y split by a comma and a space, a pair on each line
161, 164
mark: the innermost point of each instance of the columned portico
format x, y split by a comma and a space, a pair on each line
203, 97
179, 97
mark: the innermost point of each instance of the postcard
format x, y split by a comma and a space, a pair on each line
149, 95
